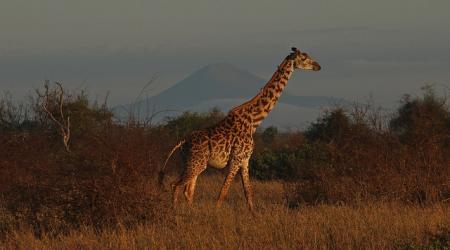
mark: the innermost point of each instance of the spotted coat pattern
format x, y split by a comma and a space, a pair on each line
230, 142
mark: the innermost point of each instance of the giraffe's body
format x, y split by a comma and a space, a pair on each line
230, 142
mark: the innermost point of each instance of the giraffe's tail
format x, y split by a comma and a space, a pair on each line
161, 172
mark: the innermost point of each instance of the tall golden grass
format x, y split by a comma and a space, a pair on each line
375, 225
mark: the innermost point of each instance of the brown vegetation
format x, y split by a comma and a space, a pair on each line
377, 225
358, 154
356, 178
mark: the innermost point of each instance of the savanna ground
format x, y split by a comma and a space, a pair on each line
374, 225
357, 178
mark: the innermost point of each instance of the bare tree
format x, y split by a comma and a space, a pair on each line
62, 122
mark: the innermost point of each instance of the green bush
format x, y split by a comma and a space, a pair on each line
332, 126
423, 120
184, 124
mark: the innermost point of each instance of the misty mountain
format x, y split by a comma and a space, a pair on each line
224, 86
215, 81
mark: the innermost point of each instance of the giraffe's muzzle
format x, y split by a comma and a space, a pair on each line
316, 66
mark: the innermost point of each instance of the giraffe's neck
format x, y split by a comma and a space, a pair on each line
260, 105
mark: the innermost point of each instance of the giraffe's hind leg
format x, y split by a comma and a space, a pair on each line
189, 190
176, 187
195, 158
188, 180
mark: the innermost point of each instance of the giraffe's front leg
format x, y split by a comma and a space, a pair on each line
246, 184
234, 168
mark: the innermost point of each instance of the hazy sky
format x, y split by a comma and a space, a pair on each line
380, 48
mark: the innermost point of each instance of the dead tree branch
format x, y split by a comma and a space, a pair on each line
62, 123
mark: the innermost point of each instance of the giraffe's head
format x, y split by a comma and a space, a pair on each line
303, 60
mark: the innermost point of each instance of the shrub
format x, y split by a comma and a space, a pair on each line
14, 115
423, 122
269, 134
334, 125
107, 178
353, 160
184, 124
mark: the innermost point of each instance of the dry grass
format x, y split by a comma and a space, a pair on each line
275, 226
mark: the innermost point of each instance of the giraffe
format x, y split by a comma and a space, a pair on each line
230, 142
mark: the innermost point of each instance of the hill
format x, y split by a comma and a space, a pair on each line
224, 86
